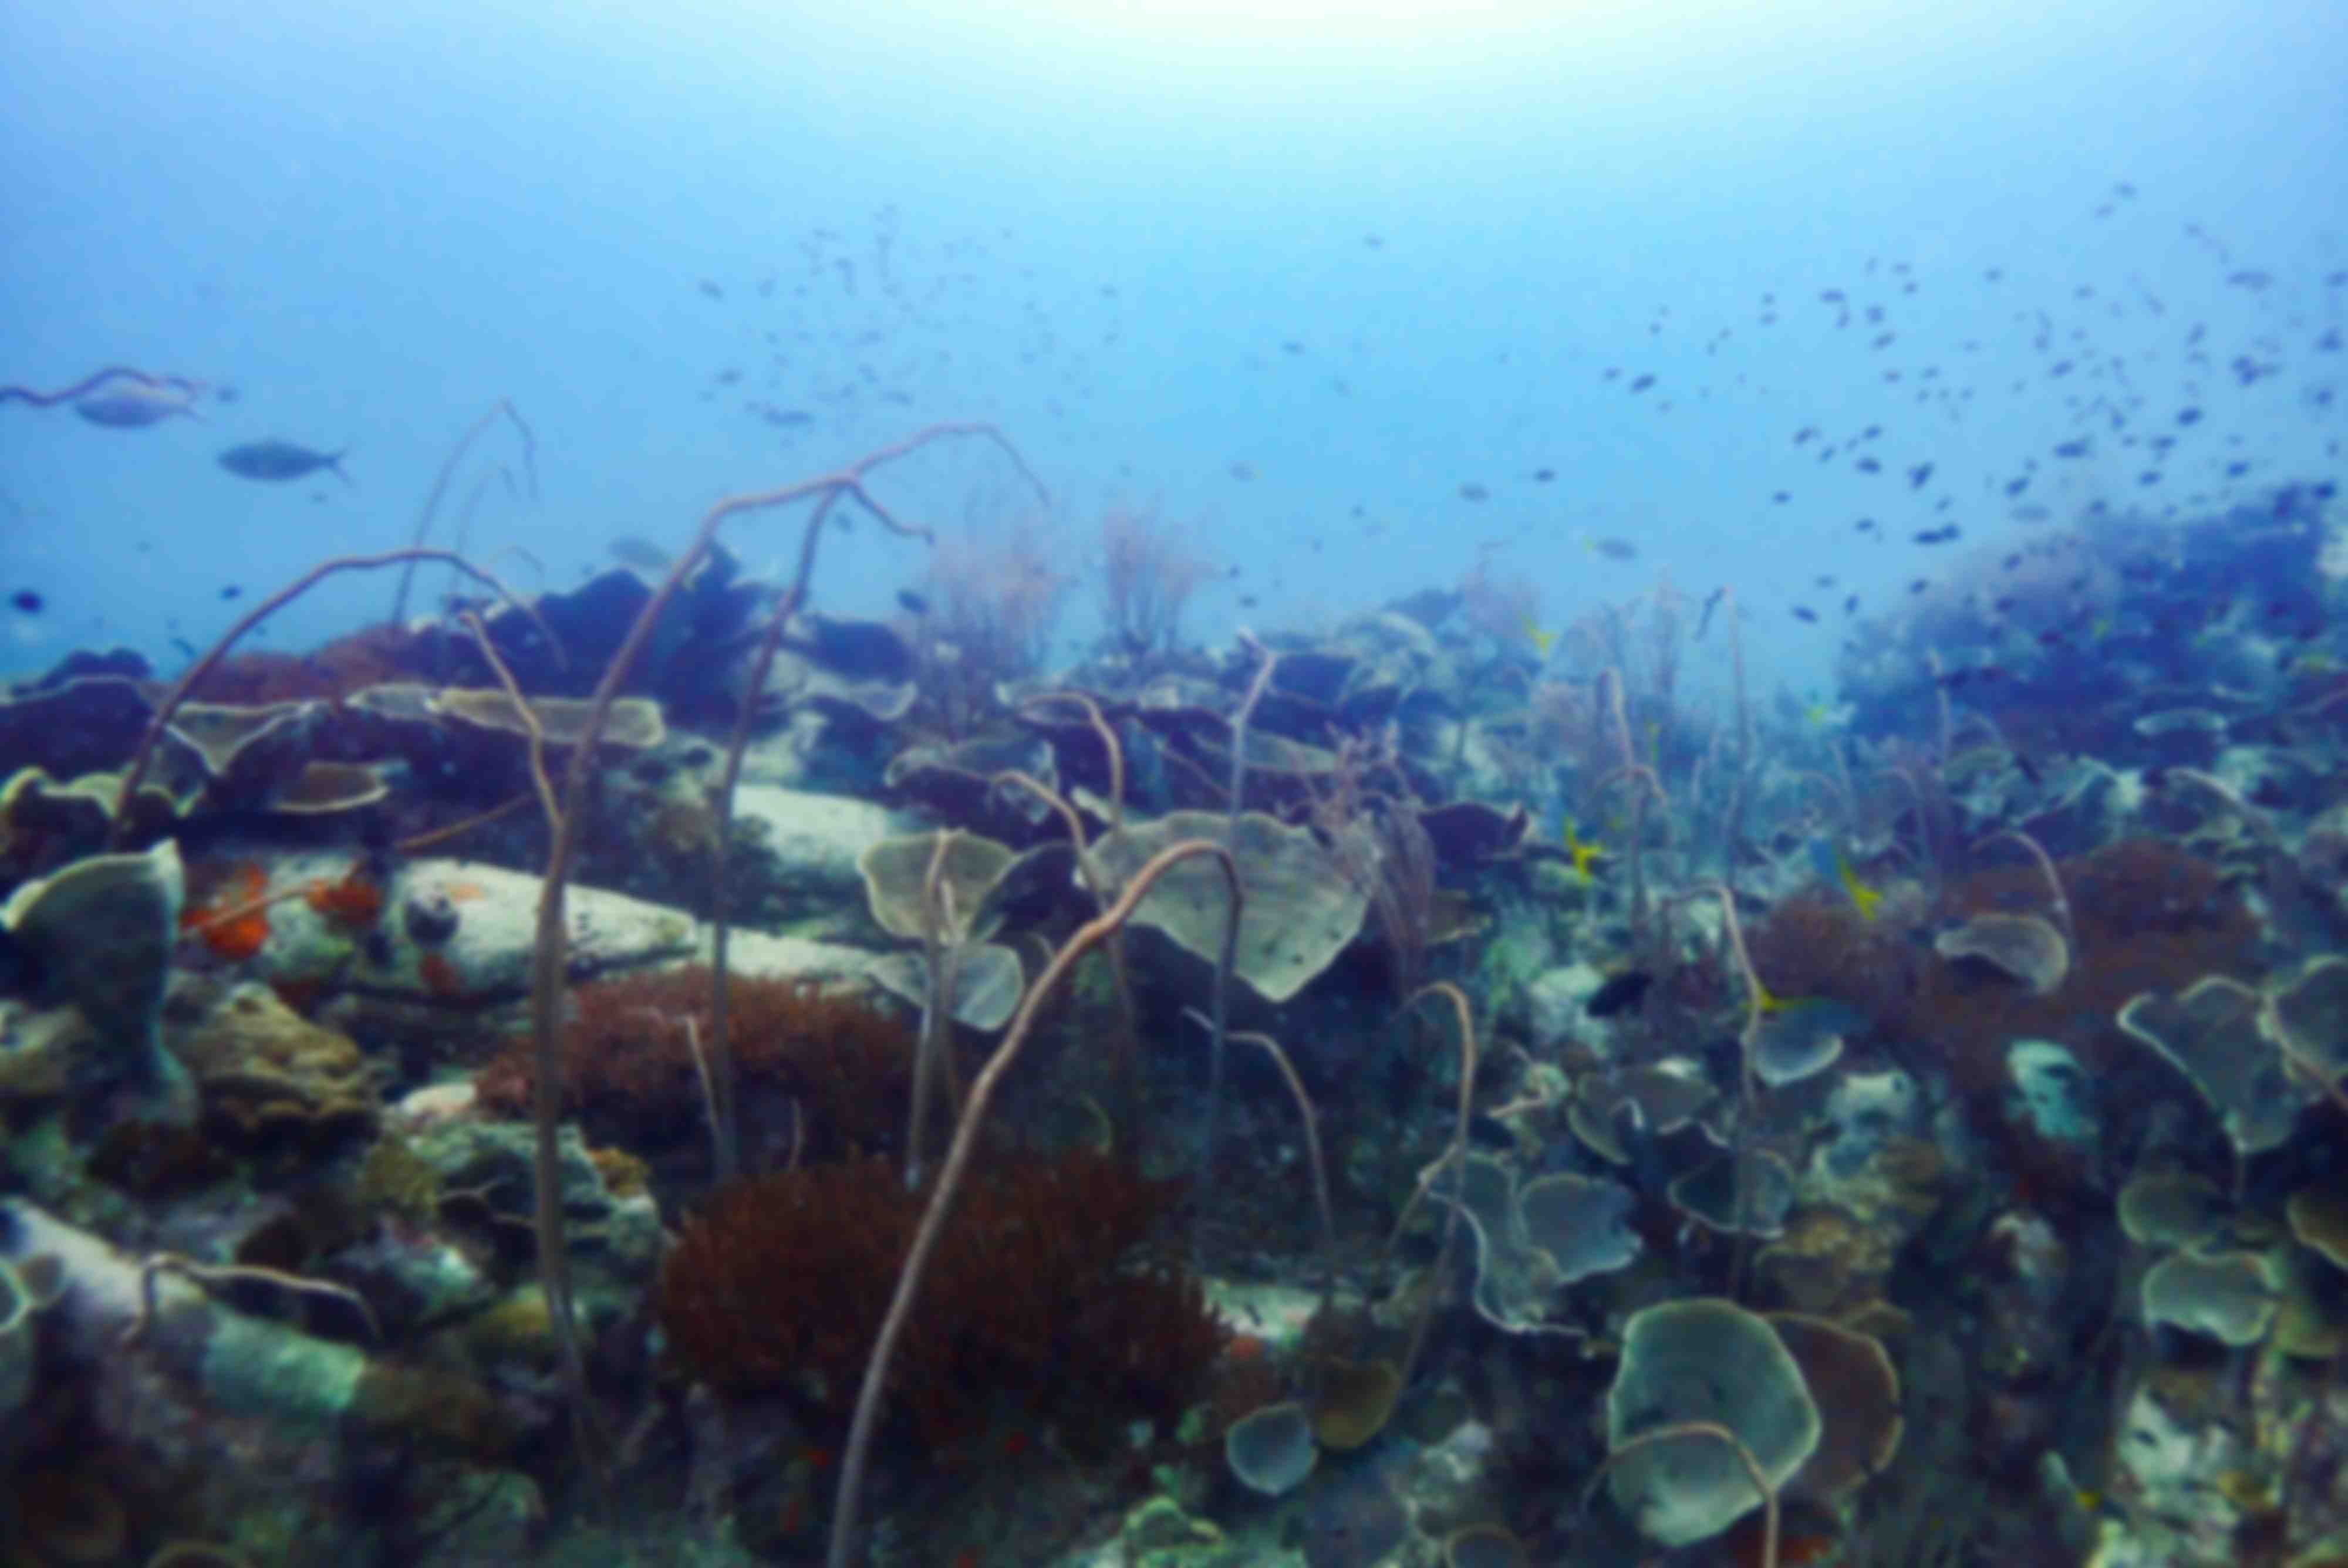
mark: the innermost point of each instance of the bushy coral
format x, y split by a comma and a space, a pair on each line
778, 1285
631, 1077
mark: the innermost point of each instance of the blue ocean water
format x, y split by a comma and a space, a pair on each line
1372, 255
1933, 993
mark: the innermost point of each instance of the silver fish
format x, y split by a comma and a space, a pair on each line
279, 460
134, 407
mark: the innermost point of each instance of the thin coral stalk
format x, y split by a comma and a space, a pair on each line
235, 912
708, 1089
2061, 904
1219, 998
208, 1275
143, 755
1640, 774
1948, 726
1739, 786
721, 1050
2252, 818
1311, 1121
539, 781
1454, 1157
1934, 848
828, 495
436, 835
504, 406
1127, 1069
942, 945
551, 950
97, 378
857, 1454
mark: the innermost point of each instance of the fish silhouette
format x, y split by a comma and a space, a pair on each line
280, 460
131, 406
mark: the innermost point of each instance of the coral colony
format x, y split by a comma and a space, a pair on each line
651, 1062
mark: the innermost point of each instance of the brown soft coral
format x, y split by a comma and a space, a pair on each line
631, 1075
1814, 944
779, 1286
2148, 917
369, 658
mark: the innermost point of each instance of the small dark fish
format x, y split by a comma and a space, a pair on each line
1867, 465
1248, 601
710, 289
1543, 475
1615, 549
1919, 475
1804, 613
1621, 993
2015, 487
280, 460
786, 418
2071, 449
1850, 605
1779, 498
232, 591
912, 603
1472, 491
1641, 384
2188, 416
25, 600
629, 549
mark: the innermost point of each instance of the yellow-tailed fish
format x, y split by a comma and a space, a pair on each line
1827, 859
1581, 854
1542, 641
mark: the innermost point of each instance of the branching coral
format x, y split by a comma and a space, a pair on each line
778, 1286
